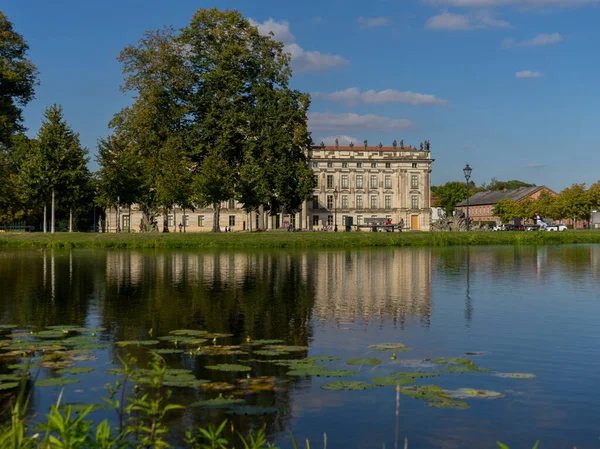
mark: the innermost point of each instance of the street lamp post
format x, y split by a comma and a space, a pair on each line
467, 171
335, 197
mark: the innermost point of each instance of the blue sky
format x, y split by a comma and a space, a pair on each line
509, 86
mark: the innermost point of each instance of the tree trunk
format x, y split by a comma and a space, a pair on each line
52, 214
261, 217
174, 220
216, 217
117, 219
45, 219
129, 227
250, 217
184, 221
70, 220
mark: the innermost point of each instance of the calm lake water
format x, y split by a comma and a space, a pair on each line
530, 310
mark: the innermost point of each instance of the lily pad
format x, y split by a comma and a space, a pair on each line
78, 370
320, 358
472, 393
258, 384
452, 361
55, 382
219, 350
184, 383
268, 342
352, 385
229, 367
414, 363
464, 369
269, 353
416, 374
188, 332
8, 385
219, 402
365, 361
318, 371
218, 386
282, 348
449, 403
168, 351
252, 410
10, 377
425, 392
137, 343
392, 381
515, 375
389, 347
215, 335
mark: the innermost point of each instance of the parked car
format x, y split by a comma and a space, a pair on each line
556, 228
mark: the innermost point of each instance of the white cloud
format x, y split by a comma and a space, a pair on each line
528, 74
373, 22
342, 139
531, 3
535, 166
354, 96
462, 22
325, 121
539, 40
302, 60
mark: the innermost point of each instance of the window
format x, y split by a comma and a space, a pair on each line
359, 182
388, 181
373, 181
359, 220
344, 201
414, 182
329, 220
315, 202
359, 203
414, 165
415, 202
388, 201
126, 222
170, 220
329, 201
232, 220
373, 164
344, 164
374, 202
330, 181
359, 165
315, 165
315, 220
344, 181
388, 165
316, 181
231, 204
329, 164
200, 221
186, 220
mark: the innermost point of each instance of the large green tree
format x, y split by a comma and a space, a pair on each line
496, 184
447, 196
574, 202
506, 209
56, 169
18, 77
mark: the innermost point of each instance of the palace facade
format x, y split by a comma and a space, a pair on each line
354, 183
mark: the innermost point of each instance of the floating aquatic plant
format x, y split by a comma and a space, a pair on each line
392, 381
258, 384
167, 351
229, 367
424, 392
318, 371
347, 386
464, 369
416, 374
55, 382
218, 386
320, 358
414, 363
472, 393
268, 342
452, 361
78, 370
282, 348
269, 353
449, 403
389, 347
137, 343
188, 332
365, 361
219, 402
8, 385
515, 375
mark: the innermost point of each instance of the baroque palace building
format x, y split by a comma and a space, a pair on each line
360, 182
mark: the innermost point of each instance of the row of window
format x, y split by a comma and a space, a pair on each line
414, 181
359, 202
359, 219
315, 164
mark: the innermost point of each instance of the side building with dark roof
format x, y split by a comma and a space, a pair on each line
481, 204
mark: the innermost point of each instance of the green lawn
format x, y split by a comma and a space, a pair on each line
292, 239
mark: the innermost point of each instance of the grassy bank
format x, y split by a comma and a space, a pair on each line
293, 240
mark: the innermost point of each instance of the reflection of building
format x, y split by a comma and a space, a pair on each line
372, 286
481, 204
371, 181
